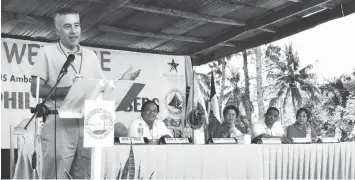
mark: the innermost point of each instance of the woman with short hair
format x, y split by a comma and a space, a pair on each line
231, 124
299, 128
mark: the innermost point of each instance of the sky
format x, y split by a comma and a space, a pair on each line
331, 43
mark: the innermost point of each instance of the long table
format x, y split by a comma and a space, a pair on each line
300, 161
254, 161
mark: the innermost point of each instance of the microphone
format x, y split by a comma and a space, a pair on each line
67, 63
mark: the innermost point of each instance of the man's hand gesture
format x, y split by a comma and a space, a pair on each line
129, 75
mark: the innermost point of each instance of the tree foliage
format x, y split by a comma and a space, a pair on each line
289, 78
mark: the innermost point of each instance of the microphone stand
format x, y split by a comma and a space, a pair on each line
42, 111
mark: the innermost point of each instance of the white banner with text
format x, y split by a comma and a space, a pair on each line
162, 79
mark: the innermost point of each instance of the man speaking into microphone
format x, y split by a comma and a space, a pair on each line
70, 155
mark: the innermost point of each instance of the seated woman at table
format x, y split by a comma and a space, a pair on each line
270, 127
148, 125
231, 124
299, 128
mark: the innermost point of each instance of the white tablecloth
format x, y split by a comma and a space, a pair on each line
303, 161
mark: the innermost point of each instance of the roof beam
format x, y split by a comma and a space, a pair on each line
296, 1
285, 31
242, 4
327, 6
268, 29
155, 35
183, 14
256, 23
93, 1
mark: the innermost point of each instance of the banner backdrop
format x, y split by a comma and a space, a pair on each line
162, 76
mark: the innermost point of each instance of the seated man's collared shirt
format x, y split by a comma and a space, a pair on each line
139, 128
260, 128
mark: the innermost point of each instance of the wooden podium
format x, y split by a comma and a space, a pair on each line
95, 101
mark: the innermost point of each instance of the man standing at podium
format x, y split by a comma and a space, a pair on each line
67, 152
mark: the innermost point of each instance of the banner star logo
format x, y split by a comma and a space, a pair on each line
173, 65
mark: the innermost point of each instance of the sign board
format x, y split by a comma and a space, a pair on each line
131, 140
99, 123
223, 141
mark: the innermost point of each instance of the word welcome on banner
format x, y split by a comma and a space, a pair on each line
163, 78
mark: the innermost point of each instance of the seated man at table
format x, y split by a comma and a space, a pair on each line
231, 125
300, 127
147, 125
270, 127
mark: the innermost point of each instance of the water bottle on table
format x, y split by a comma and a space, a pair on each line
232, 132
309, 133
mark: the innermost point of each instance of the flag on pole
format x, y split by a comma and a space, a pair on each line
214, 118
197, 115
200, 114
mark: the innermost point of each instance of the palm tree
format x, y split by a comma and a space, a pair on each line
336, 90
248, 104
224, 62
290, 79
259, 81
234, 92
235, 95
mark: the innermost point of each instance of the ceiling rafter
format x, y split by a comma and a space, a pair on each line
269, 29
183, 14
296, 1
156, 35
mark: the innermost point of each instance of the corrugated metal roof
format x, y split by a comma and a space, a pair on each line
32, 19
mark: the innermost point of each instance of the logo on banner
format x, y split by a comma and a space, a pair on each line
173, 65
98, 123
173, 75
174, 101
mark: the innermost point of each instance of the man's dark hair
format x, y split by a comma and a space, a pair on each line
271, 109
225, 110
149, 102
304, 110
